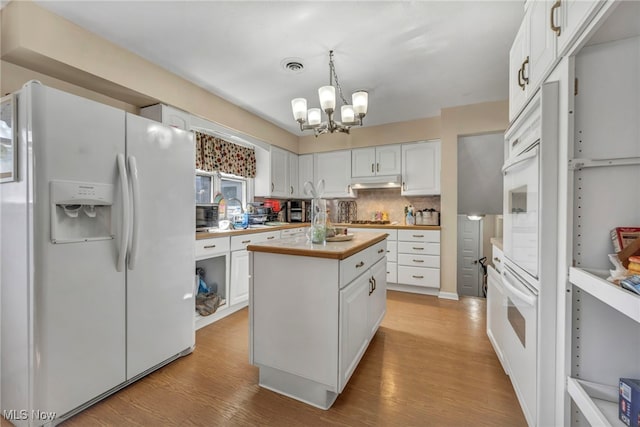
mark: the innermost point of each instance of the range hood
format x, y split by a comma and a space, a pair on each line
379, 181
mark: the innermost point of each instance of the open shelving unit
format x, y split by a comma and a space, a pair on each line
602, 331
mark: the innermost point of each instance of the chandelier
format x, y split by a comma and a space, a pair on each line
350, 114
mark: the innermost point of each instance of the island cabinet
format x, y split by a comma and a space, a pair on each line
313, 310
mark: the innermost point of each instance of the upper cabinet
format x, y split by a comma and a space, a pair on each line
273, 173
546, 32
421, 168
305, 173
168, 116
294, 189
372, 161
335, 168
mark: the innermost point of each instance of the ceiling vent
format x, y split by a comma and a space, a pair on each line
292, 65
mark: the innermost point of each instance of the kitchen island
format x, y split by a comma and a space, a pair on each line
313, 309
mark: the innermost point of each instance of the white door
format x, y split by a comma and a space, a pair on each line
335, 168
78, 295
305, 172
161, 261
294, 190
279, 172
354, 330
469, 247
542, 40
421, 168
363, 162
517, 55
239, 283
388, 160
377, 295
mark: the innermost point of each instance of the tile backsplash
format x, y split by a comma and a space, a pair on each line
391, 201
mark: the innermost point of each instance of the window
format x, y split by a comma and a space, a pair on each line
204, 188
234, 192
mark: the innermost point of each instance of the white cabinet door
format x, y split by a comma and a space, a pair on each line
377, 295
354, 330
575, 14
517, 57
305, 173
542, 42
168, 116
239, 282
496, 313
363, 162
294, 189
279, 172
335, 168
421, 168
388, 160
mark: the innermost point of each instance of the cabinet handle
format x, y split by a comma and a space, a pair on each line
496, 259
291, 189
210, 246
246, 241
381, 250
556, 28
418, 260
415, 248
372, 168
525, 63
375, 284
377, 167
272, 186
404, 186
417, 277
360, 264
271, 237
370, 286
418, 235
520, 77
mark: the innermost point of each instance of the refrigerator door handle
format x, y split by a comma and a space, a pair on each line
124, 184
135, 189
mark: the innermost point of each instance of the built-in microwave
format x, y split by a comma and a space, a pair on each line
297, 211
206, 216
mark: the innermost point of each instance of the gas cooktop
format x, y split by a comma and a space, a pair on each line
366, 221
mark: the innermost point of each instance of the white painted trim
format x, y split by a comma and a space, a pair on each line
412, 289
448, 295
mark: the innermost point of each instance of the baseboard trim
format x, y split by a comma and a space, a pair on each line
448, 295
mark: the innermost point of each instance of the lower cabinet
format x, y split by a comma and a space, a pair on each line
239, 289
363, 304
496, 313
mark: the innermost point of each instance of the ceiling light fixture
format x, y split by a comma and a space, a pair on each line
351, 114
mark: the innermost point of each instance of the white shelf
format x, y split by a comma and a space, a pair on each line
597, 402
593, 282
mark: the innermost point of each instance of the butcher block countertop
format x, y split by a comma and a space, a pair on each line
221, 233
390, 226
330, 250
497, 242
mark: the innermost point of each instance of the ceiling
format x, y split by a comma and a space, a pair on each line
414, 57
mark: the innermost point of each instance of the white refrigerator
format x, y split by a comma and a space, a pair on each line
97, 253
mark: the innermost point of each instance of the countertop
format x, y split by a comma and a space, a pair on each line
332, 250
497, 242
206, 235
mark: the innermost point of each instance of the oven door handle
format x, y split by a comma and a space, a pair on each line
527, 299
519, 159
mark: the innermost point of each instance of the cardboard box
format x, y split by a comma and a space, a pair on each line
621, 237
629, 402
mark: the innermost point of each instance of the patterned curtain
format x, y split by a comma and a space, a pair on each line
214, 154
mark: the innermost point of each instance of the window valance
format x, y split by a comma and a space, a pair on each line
215, 154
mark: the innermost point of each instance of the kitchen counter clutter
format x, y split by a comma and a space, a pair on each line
313, 309
250, 230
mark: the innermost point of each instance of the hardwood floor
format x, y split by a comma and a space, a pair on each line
430, 364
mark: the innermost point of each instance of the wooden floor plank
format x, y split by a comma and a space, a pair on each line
430, 364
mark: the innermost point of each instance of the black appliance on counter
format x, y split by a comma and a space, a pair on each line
298, 211
206, 216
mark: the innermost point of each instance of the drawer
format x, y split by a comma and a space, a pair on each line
392, 233
240, 242
392, 272
418, 248
290, 232
392, 251
419, 235
419, 276
419, 260
210, 247
356, 264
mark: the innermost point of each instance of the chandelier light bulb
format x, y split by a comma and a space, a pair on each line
360, 102
346, 114
299, 107
314, 117
327, 95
